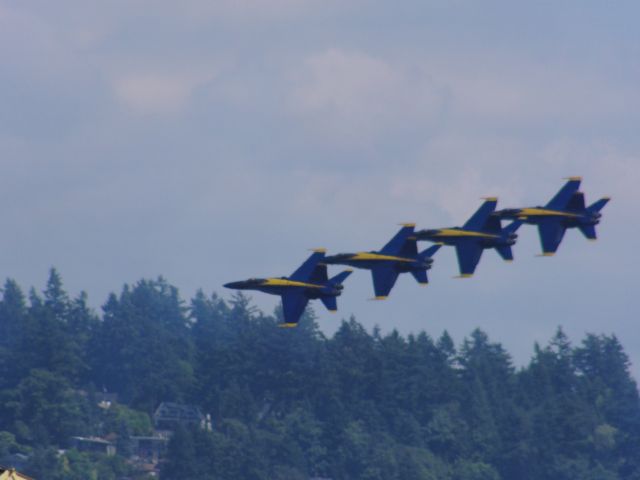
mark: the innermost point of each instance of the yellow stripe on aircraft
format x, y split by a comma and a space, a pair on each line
283, 282
378, 256
451, 232
530, 212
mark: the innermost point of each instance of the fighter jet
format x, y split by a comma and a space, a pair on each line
565, 210
310, 281
399, 255
482, 230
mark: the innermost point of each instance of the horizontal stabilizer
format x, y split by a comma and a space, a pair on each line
330, 303
505, 252
588, 231
599, 205
420, 276
561, 199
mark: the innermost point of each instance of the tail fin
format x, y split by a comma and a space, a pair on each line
480, 217
395, 245
429, 252
562, 198
420, 276
304, 271
576, 203
599, 205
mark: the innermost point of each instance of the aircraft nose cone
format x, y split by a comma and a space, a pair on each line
232, 285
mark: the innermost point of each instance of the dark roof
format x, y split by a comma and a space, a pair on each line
178, 412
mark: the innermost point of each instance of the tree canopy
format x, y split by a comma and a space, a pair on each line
294, 403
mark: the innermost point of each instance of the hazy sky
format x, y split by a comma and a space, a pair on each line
211, 141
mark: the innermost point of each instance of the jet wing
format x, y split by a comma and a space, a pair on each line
304, 271
384, 278
396, 244
293, 305
561, 199
469, 254
551, 231
479, 219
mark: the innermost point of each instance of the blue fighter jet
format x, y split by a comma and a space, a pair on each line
565, 210
310, 281
399, 255
482, 230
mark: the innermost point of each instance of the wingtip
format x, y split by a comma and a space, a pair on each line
464, 275
332, 310
407, 224
423, 284
489, 199
318, 250
287, 325
379, 297
573, 179
546, 254
508, 260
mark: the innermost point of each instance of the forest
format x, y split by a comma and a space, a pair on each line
298, 404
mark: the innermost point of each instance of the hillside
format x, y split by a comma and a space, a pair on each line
294, 404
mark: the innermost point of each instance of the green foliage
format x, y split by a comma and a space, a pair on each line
294, 404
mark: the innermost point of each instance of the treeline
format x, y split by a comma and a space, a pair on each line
294, 404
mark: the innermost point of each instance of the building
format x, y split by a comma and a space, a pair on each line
150, 448
169, 415
11, 474
93, 445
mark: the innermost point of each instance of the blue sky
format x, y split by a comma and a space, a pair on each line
214, 141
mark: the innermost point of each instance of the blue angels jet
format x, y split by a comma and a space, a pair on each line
482, 230
565, 210
399, 255
310, 281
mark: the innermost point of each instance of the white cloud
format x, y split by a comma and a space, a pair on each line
158, 92
355, 95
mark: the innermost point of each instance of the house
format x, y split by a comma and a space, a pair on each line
93, 445
15, 460
11, 474
169, 415
150, 448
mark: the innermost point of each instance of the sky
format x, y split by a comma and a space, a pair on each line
211, 141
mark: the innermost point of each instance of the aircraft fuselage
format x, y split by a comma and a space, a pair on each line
282, 285
370, 260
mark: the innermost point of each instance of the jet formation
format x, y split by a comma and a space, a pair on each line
484, 230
